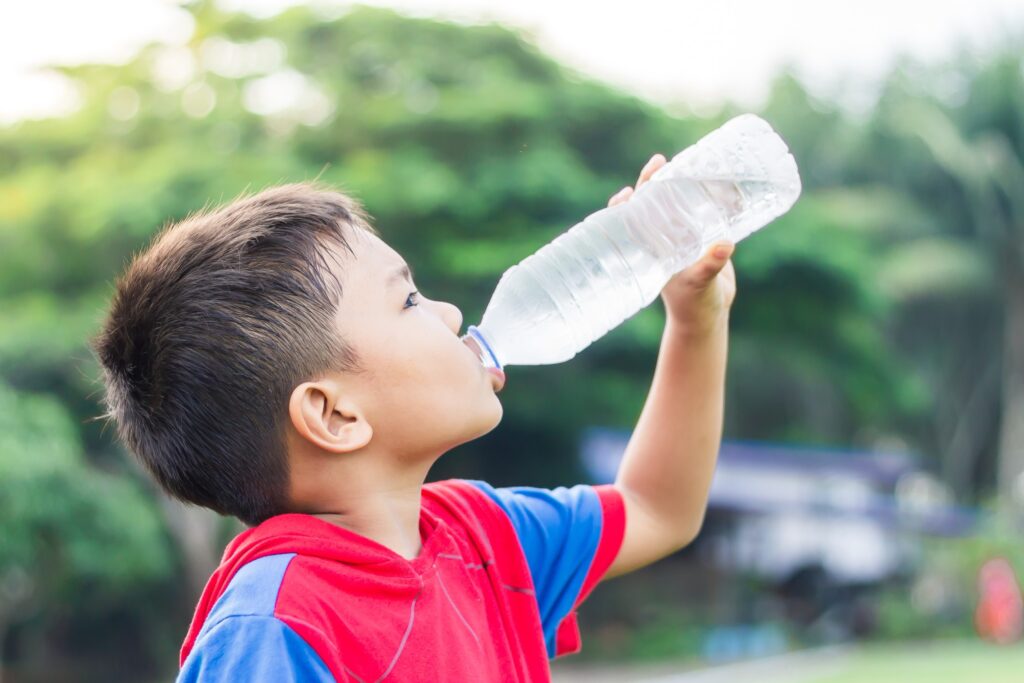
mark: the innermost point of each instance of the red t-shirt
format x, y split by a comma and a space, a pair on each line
491, 596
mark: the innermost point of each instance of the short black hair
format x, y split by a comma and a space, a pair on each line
211, 328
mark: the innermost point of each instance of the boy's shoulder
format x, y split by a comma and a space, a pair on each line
334, 591
294, 564
298, 563
300, 583
252, 591
245, 614
465, 504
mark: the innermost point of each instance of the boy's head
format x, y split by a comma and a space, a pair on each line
278, 329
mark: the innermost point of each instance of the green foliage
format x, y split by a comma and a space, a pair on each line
74, 524
664, 638
940, 599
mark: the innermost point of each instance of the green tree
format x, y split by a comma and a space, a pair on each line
69, 528
952, 138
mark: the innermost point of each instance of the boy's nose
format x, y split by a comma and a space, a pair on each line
451, 315
456, 318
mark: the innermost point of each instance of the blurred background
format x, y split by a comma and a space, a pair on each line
865, 522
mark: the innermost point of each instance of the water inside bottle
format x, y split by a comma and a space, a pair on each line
605, 276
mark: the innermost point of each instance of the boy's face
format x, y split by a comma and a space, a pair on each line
422, 390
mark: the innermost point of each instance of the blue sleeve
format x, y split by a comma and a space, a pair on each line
253, 648
559, 530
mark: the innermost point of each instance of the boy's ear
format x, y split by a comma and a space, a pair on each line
322, 414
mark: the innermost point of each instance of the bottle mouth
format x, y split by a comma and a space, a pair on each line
477, 342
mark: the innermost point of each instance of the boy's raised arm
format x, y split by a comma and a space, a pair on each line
667, 469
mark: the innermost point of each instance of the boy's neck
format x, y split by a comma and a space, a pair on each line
373, 495
390, 518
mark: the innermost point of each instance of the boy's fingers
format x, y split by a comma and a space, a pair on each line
649, 169
713, 261
652, 165
620, 196
723, 250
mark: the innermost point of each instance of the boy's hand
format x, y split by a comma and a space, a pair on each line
700, 296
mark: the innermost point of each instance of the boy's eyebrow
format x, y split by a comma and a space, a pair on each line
398, 274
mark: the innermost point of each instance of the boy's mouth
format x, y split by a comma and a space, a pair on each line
474, 347
497, 376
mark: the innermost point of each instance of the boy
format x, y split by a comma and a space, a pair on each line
272, 360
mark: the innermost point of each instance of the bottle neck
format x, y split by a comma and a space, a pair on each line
487, 355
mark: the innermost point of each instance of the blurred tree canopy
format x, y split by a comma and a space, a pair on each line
882, 308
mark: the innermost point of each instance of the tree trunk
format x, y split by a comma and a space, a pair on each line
4, 628
970, 426
1011, 431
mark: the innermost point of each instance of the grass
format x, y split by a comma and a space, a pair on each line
935, 662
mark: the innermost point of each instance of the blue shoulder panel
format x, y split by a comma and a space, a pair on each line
252, 591
253, 648
242, 640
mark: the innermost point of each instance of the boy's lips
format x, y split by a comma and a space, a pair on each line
497, 378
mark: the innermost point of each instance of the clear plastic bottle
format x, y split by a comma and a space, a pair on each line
615, 262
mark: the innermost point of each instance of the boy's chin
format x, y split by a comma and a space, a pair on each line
499, 413
489, 419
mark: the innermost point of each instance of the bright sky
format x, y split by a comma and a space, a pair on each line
687, 54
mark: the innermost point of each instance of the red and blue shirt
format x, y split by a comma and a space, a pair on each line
491, 596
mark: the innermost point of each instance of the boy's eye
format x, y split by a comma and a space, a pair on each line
409, 299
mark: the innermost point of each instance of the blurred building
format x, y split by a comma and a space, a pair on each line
816, 525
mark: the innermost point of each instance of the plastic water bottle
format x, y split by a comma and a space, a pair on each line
615, 262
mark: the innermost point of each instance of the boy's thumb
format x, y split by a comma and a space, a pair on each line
722, 251
714, 261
